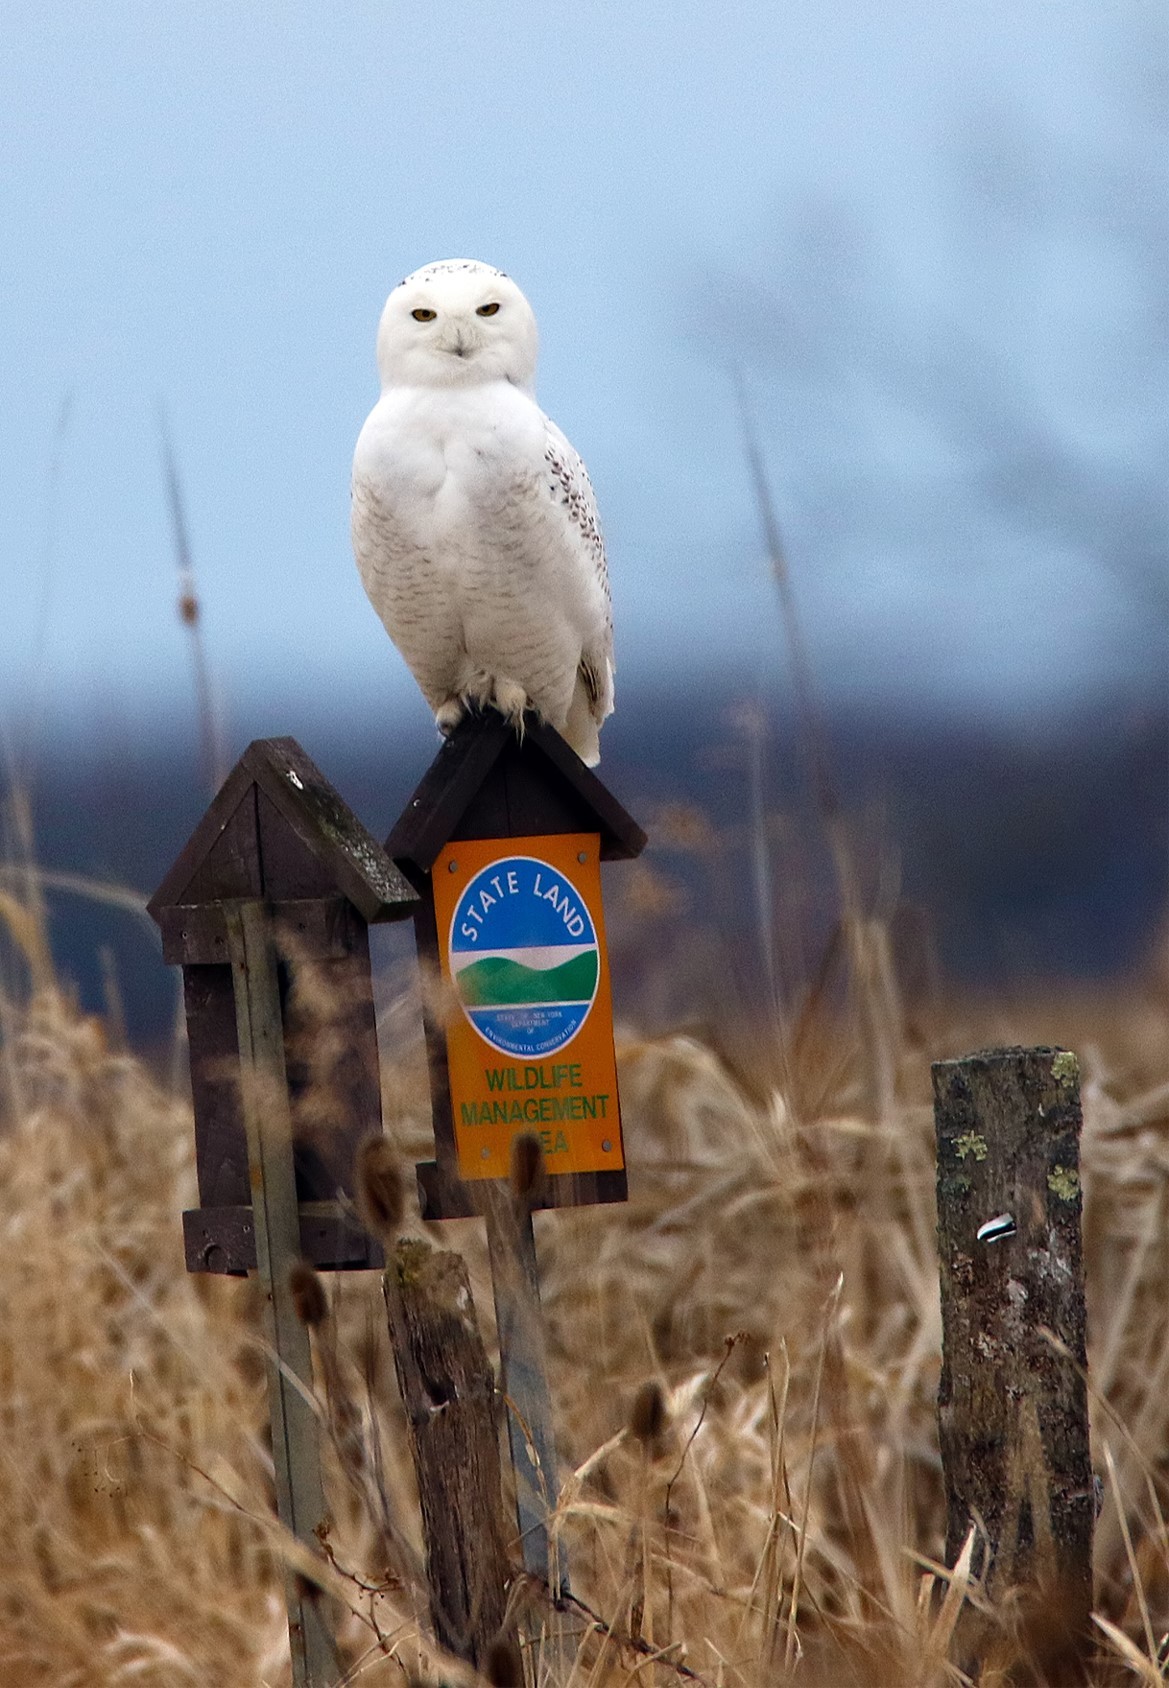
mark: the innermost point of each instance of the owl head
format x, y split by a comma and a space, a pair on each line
456, 323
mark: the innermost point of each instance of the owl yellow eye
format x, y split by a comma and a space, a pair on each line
423, 315
488, 310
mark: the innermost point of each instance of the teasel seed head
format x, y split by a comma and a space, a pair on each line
308, 1294
527, 1165
381, 1199
648, 1415
503, 1666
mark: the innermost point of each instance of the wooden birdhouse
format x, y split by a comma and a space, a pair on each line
502, 841
279, 846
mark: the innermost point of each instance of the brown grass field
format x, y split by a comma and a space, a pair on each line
774, 1274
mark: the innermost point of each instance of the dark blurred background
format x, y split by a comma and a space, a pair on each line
1003, 861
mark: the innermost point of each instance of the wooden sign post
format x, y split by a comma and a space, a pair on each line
503, 842
266, 911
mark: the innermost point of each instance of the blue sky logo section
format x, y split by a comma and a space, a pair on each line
524, 956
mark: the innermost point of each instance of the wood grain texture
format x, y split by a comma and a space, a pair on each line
221, 1149
515, 1282
487, 783
353, 861
223, 1240
330, 1046
278, 829
326, 927
1012, 1402
278, 834
448, 1391
331, 1065
268, 1126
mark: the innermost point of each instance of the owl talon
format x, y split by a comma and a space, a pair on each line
448, 715
511, 700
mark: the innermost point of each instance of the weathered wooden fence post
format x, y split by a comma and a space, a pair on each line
502, 841
266, 910
448, 1390
1012, 1403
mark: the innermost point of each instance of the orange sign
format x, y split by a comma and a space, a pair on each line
521, 940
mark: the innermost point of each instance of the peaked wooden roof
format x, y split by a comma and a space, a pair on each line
277, 829
486, 782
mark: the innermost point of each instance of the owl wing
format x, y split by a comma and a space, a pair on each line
572, 489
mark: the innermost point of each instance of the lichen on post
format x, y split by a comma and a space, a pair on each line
1012, 1400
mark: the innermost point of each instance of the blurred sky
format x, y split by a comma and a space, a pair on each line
932, 235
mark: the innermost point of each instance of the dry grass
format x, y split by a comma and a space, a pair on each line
771, 1513
127, 1391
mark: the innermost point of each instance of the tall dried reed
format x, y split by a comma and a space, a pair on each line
744, 1361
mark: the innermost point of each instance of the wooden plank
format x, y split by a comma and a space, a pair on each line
621, 837
193, 935
443, 1195
293, 871
223, 859
448, 1391
324, 927
223, 1239
331, 1065
330, 1041
219, 1240
221, 1145
230, 868
525, 797
268, 1123
220, 813
321, 929
515, 1282
426, 945
352, 860
465, 795
449, 784
1012, 1408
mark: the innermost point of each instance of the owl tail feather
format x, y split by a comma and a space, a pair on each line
581, 730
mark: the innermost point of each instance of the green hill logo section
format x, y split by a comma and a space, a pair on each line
524, 956
500, 982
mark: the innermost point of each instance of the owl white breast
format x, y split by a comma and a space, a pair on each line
474, 521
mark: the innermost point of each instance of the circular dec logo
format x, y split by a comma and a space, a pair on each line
524, 956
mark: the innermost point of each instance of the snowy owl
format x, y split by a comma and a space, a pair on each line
474, 521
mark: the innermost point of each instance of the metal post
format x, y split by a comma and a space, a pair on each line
268, 1120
